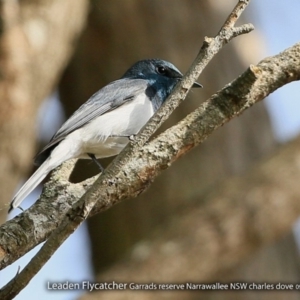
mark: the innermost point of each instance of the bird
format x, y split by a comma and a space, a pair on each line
104, 124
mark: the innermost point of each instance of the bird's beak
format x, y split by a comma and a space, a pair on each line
197, 85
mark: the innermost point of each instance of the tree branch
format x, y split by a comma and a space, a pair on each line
252, 86
143, 168
249, 88
221, 230
256, 83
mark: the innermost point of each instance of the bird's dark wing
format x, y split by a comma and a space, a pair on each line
108, 98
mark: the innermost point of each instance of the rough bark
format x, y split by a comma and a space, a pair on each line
255, 84
219, 228
62, 204
175, 37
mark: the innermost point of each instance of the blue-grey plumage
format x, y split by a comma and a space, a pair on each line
101, 127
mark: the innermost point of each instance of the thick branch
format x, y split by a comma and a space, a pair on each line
59, 196
136, 174
110, 178
243, 214
82, 208
254, 85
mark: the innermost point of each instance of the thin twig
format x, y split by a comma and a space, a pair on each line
235, 14
210, 47
82, 208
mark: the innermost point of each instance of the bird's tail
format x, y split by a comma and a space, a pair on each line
31, 184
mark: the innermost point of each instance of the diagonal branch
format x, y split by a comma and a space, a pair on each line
252, 86
113, 176
209, 49
249, 88
232, 221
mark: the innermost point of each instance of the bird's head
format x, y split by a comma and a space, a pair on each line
150, 67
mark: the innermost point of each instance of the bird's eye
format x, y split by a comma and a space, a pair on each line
161, 70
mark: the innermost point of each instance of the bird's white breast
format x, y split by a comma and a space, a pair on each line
108, 134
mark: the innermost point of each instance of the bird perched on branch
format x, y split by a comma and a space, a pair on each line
102, 126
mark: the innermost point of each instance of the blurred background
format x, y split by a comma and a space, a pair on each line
56, 54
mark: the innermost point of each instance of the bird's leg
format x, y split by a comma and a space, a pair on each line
94, 159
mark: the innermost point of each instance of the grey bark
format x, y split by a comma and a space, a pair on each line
255, 84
